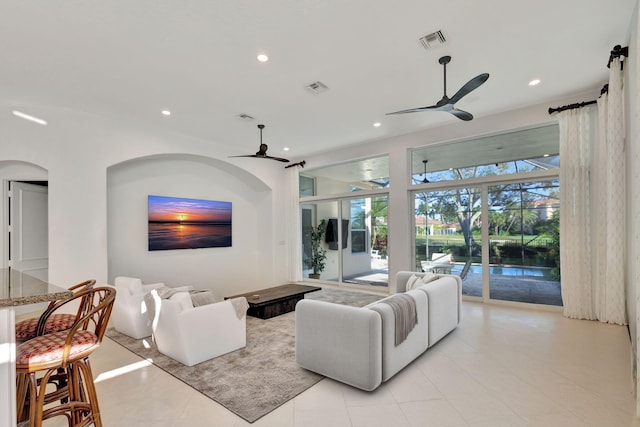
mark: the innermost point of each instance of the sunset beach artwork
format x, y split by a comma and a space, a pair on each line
177, 223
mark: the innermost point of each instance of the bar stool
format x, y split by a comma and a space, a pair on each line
40, 358
30, 328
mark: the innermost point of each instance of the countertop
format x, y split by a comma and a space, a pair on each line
17, 288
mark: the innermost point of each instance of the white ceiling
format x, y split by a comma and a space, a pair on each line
128, 60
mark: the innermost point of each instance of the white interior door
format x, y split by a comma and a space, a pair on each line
29, 229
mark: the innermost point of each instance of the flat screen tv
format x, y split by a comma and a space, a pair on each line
177, 223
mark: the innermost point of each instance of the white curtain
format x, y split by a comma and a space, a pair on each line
635, 219
610, 209
576, 141
592, 221
293, 225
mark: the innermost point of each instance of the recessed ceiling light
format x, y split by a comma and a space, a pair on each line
534, 82
29, 117
546, 155
166, 112
262, 57
286, 148
377, 124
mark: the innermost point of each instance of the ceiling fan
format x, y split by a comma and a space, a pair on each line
262, 152
447, 104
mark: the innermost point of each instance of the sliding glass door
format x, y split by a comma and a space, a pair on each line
447, 240
508, 231
352, 244
523, 220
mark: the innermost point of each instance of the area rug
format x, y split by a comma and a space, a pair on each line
253, 381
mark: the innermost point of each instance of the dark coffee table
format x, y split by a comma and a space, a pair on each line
271, 302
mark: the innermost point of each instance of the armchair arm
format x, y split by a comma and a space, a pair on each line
193, 335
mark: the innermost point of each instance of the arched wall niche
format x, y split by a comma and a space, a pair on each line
243, 175
19, 170
226, 271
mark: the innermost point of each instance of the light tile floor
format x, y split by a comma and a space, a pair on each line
502, 367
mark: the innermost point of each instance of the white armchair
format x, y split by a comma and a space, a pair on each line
129, 315
191, 334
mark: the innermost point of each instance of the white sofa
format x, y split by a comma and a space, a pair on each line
355, 345
191, 334
129, 314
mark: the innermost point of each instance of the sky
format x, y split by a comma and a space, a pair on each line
193, 210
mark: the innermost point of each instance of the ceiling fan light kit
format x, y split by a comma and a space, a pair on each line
447, 104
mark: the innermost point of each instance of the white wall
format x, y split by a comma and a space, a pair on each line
632, 75
128, 186
77, 149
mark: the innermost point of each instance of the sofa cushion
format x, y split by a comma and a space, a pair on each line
443, 299
394, 358
183, 299
340, 342
413, 282
428, 277
404, 312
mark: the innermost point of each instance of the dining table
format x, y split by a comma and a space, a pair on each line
17, 289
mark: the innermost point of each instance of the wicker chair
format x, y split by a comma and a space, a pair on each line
465, 269
27, 329
40, 358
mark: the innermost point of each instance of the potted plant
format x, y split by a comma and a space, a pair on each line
318, 253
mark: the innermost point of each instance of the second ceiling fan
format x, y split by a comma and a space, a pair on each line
262, 151
448, 104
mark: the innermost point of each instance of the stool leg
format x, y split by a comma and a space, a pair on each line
88, 392
22, 389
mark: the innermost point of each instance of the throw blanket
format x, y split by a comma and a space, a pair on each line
202, 297
240, 305
166, 292
405, 313
198, 297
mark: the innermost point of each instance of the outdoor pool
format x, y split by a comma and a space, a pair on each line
507, 271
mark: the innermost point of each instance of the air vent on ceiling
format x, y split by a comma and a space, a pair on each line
244, 116
433, 40
317, 87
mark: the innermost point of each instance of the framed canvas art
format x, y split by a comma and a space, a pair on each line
178, 223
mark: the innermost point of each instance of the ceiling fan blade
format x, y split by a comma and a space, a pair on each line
471, 85
279, 159
461, 114
260, 156
262, 151
415, 110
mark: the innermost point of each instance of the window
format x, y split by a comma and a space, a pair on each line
505, 154
358, 226
360, 175
307, 186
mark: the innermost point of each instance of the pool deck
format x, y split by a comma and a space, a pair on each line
520, 288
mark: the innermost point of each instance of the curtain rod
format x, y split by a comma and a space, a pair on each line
301, 164
616, 52
571, 106
604, 90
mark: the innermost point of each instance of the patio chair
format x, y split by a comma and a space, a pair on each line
465, 269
